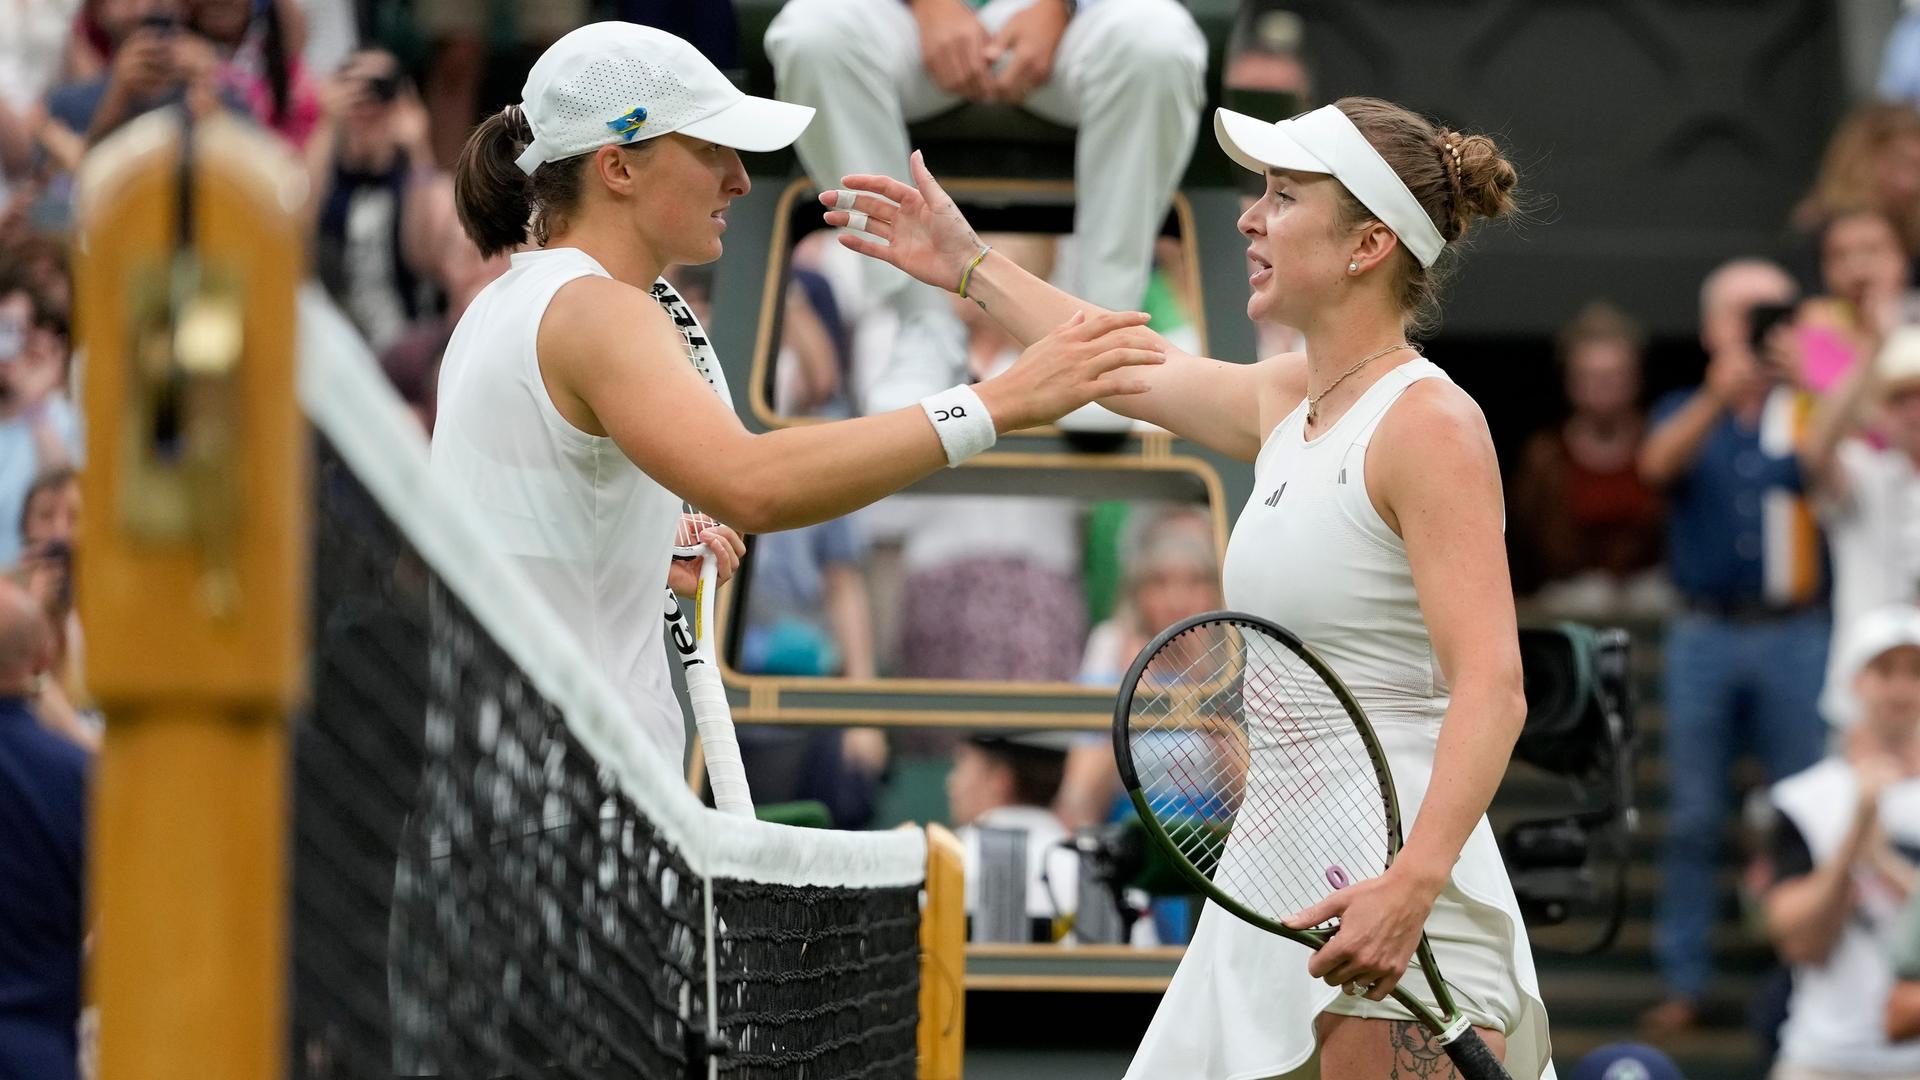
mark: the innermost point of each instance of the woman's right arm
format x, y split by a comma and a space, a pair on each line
614, 364
1210, 402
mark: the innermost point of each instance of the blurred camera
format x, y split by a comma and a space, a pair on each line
55, 558
384, 88
1763, 320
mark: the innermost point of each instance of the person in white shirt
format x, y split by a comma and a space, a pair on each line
1847, 861
572, 409
1008, 783
1374, 533
1869, 493
1126, 74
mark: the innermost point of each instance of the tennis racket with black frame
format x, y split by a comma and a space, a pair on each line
1256, 771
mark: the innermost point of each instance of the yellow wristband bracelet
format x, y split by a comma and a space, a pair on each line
967, 274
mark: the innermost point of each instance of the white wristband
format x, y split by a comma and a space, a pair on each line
961, 420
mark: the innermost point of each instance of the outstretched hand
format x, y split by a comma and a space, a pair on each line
924, 232
1085, 359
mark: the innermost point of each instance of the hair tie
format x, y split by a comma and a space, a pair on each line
1450, 162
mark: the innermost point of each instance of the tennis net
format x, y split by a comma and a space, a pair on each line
493, 876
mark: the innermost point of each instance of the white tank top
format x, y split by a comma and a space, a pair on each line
1836, 1018
591, 530
1310, 552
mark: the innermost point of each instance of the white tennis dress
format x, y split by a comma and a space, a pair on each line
591, 530
1311, 553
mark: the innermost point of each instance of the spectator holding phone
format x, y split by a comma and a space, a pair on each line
1863, 266
155, 62
51, 509
1747, 650
49, 527
374, 180
256, 60
1863, 462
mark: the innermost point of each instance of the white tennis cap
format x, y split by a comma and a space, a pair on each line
613, 83
1325, 141
1878, 631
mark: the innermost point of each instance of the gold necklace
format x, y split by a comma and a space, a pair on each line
1314, 400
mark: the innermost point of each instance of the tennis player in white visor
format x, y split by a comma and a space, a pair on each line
1374, 533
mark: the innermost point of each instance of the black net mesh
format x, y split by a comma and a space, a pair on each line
475, 897
817, 981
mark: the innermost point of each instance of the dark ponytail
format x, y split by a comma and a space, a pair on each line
494, 199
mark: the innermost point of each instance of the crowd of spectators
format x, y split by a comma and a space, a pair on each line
1765, 525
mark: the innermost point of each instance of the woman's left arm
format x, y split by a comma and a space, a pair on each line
1441, 486
1432, 474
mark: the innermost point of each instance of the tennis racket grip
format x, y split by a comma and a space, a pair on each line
1475, 1061
712, 716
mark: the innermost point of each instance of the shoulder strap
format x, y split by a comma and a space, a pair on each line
1405, 375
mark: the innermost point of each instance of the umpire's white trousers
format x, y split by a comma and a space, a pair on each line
1128, 75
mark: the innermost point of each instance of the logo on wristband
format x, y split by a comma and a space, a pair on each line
954, 413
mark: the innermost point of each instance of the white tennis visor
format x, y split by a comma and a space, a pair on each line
1325, 141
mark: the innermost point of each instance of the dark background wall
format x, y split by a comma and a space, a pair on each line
1655, 139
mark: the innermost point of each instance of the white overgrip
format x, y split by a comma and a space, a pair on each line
712, 717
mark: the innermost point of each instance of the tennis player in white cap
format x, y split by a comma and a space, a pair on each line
1374, 532
573, 411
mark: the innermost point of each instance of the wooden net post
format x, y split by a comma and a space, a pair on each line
192, 587
943, 959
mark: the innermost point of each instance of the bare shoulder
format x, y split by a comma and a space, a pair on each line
592, 317
591, 305
1436, 414
1435, 432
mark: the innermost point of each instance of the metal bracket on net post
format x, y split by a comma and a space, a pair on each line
192, 587
704, 1051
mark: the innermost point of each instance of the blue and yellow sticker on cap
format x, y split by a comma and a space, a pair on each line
629, 125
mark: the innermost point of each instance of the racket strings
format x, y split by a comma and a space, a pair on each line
686, 533
1255, 769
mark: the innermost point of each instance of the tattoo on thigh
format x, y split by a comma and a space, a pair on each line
1417, 1052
